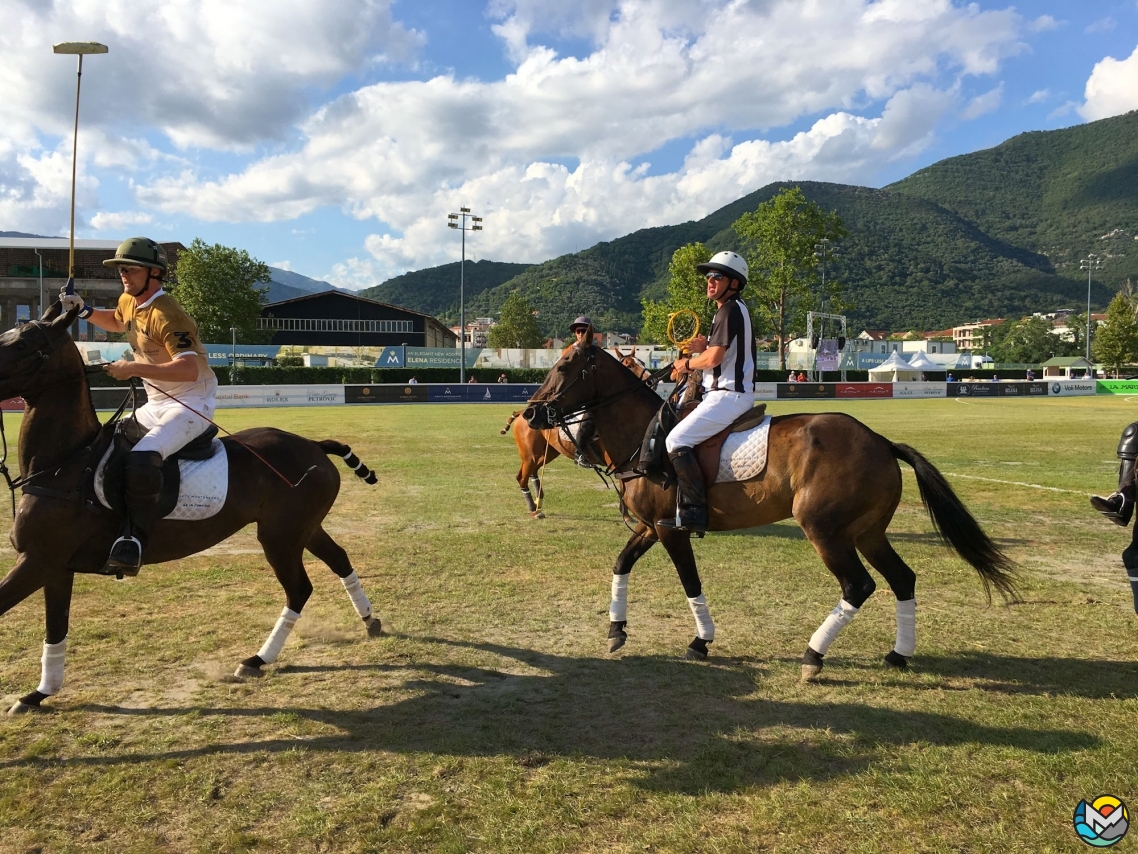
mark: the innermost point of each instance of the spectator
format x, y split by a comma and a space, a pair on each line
473, 379
995, 378
801, 377
1030, 375
413, 381
502, 378
949, 379
792, 378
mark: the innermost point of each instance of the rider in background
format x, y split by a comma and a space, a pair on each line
727, 359
582, 329
180, 385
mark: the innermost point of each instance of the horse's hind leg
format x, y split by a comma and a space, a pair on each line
285, 555
903, 582
841, 559
328, 550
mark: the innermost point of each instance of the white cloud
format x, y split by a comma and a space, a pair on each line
1043, 23
981, 105
1112, 88
1102, 25
1039, 96
106, 221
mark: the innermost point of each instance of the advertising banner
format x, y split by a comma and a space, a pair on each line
826, 359
112, 398
12, 404
1067, 388
1116, 386
805, 391
469, 393
981, 389
919, 390
229, 396
864, 390
385, 394
766, 391
521, 391
425, 357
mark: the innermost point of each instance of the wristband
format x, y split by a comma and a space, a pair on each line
86, 311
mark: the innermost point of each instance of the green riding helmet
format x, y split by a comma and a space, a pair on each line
138, 252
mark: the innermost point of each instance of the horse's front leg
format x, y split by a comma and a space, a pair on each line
22, 581
1130, 561
641, 540
678, 545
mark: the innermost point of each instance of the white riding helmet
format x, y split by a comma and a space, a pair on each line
731, 263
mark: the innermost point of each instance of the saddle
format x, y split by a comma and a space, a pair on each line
707, 452
127, 434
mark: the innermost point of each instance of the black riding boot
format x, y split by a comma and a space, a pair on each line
586, 433
691, 496
143, 491
1118, 507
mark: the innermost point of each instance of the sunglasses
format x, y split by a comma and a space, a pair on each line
715, 277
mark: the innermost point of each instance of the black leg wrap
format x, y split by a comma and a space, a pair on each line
616, 628
895, 659
812, 658
33, 699
697, 650
1133, 576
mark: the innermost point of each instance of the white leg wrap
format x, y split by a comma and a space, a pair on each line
356, 594
51, 667
704, 625
906, 628
278, 636
833, 624
618, 607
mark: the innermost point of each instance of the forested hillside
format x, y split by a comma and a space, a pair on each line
994, 233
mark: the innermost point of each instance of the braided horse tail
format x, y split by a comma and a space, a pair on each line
339, 449
509, 423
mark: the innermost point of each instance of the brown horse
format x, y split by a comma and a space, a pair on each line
837, 478
538, 448
282, 482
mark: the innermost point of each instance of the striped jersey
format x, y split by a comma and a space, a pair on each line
731, 328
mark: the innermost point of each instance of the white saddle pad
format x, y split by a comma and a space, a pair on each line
744, 455
202, 490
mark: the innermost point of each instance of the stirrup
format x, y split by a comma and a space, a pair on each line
697, 526
1119, 513
125, 557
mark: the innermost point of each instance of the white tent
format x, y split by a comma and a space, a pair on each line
921, 362
894, 370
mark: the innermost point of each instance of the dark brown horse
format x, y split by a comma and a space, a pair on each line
538, 448
837, 478
60, 529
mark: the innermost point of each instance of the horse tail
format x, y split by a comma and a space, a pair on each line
509, 422
339, 449
957, 528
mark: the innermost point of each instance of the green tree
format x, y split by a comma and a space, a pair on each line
687, 289
779, 238
517, 327
218, 287
1028, 341
1115, 343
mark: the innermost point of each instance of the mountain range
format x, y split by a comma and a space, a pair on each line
998, 232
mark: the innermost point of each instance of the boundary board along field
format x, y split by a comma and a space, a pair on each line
491, 719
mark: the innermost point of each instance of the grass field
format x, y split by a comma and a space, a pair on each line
491, 719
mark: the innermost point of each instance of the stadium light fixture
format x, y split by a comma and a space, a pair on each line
1091, 263
460, 221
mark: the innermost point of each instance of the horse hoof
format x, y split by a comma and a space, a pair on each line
537, 514
896, 660
22, 708
697, 650
244, 671
617, 642
810, 672
374, 627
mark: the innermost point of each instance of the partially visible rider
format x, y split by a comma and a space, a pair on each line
582, 328
1119, 505
727, 359
180, 385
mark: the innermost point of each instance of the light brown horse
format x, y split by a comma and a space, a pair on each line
538, 448
837, 478
283, 483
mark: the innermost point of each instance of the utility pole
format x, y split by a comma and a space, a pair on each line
459, 221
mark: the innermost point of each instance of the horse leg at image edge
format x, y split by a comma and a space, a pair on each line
633, 550
57, 610
678, 545
1130, 561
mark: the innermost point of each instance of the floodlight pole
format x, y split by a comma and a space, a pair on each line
79, 49
40, 257
458, 220
1091, 263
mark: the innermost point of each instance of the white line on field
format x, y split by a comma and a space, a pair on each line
1011, 482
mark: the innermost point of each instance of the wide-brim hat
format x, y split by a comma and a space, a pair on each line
580, 321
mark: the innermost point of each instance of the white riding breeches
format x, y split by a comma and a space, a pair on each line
170, 425
715, 412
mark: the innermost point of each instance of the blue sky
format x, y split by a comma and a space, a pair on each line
333, 139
